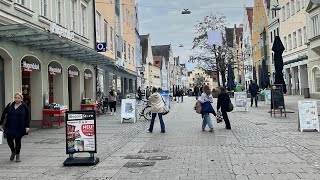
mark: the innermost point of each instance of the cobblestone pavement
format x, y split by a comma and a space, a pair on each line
258, 147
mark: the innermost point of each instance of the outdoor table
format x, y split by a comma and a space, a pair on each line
51, 113
90, 106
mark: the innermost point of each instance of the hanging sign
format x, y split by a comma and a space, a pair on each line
308, 115
101, 47
54, 71
73, 73
87, 75
81, 132
28, 67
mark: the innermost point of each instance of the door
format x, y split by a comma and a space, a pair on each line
2, 85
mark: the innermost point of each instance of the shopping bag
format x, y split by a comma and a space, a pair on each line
1, 137
219, 117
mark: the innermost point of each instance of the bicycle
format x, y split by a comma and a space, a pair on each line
146, 111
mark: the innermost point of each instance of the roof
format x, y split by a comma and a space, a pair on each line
162, 50
250, 16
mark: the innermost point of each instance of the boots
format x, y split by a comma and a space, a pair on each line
13, 154
18, 158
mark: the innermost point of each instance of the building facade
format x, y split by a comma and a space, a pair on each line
147, 58
47, 53
313, 33
198, 77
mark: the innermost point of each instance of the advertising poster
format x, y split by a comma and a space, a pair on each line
308, 115
128, 108
166, 97
267, 96
81, 132
241, 99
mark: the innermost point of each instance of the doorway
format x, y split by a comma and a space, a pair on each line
2, 85
74, 94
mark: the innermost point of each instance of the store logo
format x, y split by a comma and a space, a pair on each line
29, 67
53, 70
73, 73
75, 116
62, 32
87, 75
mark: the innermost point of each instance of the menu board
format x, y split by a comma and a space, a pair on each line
240, 99
81, 132
277, 97
308, 115
267, 96
128, 108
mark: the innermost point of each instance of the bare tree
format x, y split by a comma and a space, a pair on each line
211, 57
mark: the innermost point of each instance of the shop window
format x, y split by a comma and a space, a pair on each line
316, 74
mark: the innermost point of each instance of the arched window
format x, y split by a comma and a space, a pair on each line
316, 75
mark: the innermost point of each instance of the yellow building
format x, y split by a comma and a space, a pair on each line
199, 77
259, 34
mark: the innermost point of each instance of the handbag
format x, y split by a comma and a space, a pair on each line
219, 117
198, 107
230, 107
207, 108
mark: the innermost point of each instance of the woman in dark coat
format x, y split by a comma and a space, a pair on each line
17, 115
139, 95
223, 103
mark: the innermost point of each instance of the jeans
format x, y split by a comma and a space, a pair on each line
113, 105
14, 146
255, 100
206, 120
226, 119
163, 129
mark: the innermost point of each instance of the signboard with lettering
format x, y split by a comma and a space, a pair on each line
277, 99
81, 132
28, 67
308, 115
60, 31
73, 73
54, 70
101, 47
87, 75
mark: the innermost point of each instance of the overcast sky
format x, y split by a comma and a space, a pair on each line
162, 19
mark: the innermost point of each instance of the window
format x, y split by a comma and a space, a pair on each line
111, 38
44, 7
315, 25
283, 13
106, 27
305, 34
22, 2
59, 12
289, 42
293, 10
298, 5
73, 15
129, 52
288, 10
294, 40
300, 37
98, 27
83, 20
277, 31
271, 37
124, 50
133, 55
285, 43
118, 46
316, 73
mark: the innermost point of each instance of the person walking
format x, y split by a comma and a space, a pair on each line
223, 103
239, 87
113, 102
196, 92
254, 89
15, 121
206, 99
147, 93
139, 95
181, 94
157, 108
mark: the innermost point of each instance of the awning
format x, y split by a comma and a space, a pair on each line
36, 38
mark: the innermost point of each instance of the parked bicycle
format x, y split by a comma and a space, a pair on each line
146, 111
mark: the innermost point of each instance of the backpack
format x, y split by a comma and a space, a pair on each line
198, 107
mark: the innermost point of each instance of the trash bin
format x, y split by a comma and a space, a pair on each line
306, 93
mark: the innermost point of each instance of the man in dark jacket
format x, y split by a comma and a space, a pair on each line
196, 92
254, 89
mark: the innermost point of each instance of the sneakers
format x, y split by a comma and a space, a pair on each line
203, 129
211, 130
18, 158
13, 155
163, 131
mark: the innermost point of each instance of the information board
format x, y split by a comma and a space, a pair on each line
267, 96
308, 115
81, 132
277, 97
241, 99
128, 109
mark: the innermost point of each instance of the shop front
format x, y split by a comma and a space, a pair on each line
88, 84
56, 85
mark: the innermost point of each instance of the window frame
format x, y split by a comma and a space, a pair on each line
315, 25
44, 8
111, 39
294, 40
83, 20
106, 28
73, 15
98, 27
300, 39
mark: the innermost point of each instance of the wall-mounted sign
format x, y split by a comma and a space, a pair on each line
54, 71
101, 47
73, 73
87, 75
28, 67
62, 32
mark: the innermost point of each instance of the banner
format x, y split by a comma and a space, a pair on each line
267, 96
308, 115
241, 99
81, 132
166, 97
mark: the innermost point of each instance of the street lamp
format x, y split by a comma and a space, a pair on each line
186, 11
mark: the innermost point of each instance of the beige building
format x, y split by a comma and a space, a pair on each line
313, 28
47, 51
293, 33
198, 77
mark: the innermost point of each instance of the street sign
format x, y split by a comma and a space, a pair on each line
101, 47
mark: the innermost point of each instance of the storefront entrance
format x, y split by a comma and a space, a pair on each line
2, 85
74, 93
32, 85
88, 84
55, 79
